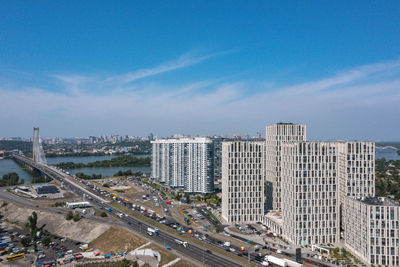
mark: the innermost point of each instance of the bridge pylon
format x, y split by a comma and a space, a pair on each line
37, 149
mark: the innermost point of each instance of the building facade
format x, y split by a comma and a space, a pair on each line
311, 172
185, 163
276, 135
371, 230
243, 193
360, 169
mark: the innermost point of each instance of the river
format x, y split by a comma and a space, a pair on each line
8, 165
388, 154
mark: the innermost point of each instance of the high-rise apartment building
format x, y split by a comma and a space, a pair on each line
243, 194
217, 151
276, 135
371, 229
310, 173
184, 163
161, 160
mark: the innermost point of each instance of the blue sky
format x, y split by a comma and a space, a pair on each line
216, 67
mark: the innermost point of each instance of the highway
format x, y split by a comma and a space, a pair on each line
200, 254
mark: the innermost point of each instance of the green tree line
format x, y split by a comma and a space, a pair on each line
11, 178
387, 182
122, 161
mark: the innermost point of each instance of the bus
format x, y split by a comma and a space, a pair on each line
16, 257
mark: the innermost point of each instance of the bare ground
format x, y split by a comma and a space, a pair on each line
83, 230
117, 239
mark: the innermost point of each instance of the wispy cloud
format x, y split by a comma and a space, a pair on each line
183, 61
357, 103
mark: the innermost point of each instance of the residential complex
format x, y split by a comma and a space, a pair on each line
311, 192
371, 229
243, 193
185, 163
276, 135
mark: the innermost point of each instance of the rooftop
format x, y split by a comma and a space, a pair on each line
378, 201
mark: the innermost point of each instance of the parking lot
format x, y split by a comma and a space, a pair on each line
46, 248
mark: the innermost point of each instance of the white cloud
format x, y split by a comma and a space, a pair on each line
359, 103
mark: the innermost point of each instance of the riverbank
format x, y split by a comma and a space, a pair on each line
122, 161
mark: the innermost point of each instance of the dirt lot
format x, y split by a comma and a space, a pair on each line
83, 230
116, 239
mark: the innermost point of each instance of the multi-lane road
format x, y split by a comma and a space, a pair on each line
200, 254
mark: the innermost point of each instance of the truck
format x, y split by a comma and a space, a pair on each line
227, 244
151, 231
276, 261
293, 263
180, 242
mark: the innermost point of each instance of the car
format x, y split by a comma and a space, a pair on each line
208, 251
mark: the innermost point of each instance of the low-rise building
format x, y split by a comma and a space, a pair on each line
371, 229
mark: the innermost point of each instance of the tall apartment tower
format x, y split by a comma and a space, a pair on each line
311, 173
185, 163
276, 135
243, 194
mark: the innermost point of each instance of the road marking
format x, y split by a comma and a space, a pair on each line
171, 262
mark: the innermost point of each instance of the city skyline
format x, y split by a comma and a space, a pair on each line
164, 68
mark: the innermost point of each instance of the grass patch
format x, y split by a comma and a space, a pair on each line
213, 216
116, 240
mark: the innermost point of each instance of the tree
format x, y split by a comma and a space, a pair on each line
25, 241
69, 215
187, 198
77, 217
8, 179
46, 240
103, 214
32, 222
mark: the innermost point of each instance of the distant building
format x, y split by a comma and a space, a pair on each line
185, 163
217, 156
243, 193
371, 230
